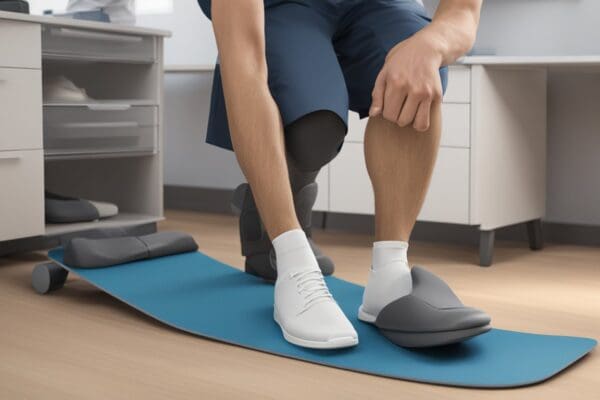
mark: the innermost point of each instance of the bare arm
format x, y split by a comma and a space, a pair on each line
409, 83
253, 116
454, 28
239, 30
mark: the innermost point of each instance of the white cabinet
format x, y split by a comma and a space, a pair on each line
456, 125
448, 196
20, 108
322, 203
459, 84
22, 194
349, 185
64, 43
107, 149
20, 46
21, 154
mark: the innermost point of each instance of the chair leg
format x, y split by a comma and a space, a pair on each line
535, 234
486, 247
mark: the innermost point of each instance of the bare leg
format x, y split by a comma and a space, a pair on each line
400, 162
261, 155
254, 119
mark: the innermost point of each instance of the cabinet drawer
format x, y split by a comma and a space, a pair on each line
349, 185
70, 43
22, 198
455, 126
459, 85
99, 129
456, 131
20, 109
322, 203
20, 45
447, 199
356, 128
448, 196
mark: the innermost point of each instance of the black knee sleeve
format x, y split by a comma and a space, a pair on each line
314, 140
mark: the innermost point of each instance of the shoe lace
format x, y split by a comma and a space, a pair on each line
311, 285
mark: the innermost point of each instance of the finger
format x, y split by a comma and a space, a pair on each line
408, 112
377, 95
392, 102
422, 119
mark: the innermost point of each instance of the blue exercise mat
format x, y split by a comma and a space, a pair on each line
205, 297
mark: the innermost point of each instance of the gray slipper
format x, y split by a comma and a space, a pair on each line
431, 315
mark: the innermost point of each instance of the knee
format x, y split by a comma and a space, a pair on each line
315, 139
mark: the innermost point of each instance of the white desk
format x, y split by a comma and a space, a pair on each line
50, 146
491, 169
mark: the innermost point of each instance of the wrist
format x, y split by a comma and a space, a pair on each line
436, 42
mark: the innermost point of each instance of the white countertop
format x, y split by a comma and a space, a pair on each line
83, 24
548, 61
587, 60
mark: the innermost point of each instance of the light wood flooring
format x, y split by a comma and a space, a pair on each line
79, 343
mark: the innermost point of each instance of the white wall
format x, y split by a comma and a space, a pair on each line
508, 26
188, 160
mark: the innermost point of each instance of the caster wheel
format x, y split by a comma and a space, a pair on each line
48, 277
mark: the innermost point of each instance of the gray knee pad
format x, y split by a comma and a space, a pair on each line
311, 142
314, 140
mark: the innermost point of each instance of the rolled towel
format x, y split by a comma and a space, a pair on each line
96, 253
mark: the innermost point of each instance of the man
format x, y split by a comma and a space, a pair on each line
289, 71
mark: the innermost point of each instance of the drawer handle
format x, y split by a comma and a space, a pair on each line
86, 125
9, 158
74, 33
108, 107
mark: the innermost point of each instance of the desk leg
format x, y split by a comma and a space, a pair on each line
535, 234
486, 247
324, 220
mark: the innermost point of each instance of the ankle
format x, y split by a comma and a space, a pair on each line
293, 252
389, 252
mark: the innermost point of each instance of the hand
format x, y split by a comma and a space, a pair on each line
409, 82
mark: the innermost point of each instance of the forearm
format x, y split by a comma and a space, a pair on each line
254, 121
454, 28
251, 110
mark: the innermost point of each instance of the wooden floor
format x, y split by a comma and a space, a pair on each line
79, 343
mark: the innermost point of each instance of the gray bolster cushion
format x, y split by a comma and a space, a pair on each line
61, 209
96, 253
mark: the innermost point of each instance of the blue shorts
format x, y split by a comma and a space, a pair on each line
324, 55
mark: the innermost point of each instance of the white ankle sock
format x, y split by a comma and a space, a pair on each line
389, 277
293, 252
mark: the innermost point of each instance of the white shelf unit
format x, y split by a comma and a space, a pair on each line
107, 149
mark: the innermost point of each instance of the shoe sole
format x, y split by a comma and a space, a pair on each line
337, 343
365, 316
424, 339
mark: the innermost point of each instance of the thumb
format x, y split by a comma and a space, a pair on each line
377, 95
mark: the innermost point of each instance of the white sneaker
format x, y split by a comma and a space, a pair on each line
307, 313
